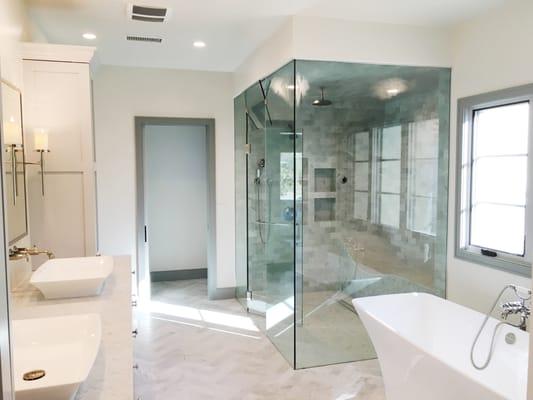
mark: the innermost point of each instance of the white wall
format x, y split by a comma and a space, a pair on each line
175, 187
490, 52
272, 54
120, 94
313, 38
377, 43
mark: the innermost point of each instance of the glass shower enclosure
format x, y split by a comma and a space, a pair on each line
341, 192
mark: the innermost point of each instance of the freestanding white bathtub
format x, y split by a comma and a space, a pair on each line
423, 344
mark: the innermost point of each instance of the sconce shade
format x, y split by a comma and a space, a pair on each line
12, 134
40, 139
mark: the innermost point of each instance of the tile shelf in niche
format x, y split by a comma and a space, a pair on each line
325, 180
324, 195
324, 209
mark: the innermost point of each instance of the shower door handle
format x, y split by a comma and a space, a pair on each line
145, 235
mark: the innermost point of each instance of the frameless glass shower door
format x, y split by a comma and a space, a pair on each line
268, 287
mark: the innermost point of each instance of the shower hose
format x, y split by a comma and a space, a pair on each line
491, 348
260, 220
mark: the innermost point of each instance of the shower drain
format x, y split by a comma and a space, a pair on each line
34, 375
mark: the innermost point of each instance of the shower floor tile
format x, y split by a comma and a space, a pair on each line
191, 348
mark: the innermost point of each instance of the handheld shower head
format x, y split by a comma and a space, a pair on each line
259, 171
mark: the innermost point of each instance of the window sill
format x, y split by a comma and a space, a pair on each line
517, 268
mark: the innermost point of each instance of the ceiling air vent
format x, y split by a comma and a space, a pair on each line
148, 13
149, 39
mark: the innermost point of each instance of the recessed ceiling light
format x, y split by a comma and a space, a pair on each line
393, 91
89, 36
199, 44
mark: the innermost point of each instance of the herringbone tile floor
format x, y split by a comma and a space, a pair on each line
190, 348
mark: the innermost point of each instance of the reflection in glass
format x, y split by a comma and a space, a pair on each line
423, 176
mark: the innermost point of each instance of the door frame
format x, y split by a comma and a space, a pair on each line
142, 271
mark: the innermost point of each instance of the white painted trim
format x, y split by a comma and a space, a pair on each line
57, 52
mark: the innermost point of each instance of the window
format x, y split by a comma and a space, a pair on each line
361, 175
286, 166
493, 217
423, 176
388, 146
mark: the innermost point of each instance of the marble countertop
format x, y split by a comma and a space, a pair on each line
111, 377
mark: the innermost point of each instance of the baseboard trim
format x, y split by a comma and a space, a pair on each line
178, 275
222, 293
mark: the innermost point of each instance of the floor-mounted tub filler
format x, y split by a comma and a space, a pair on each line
423, 344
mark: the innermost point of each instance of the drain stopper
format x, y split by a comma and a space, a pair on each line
34, 375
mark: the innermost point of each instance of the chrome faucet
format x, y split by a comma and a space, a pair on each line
19, 253
518, 307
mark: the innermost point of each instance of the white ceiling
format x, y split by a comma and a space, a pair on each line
232, 29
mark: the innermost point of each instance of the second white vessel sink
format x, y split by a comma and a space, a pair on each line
72, 277
53, 356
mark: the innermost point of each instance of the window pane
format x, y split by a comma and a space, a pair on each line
498, 227
361, 176
501, 130
287, 178
389, 210
361, 205
362, 146
390, 176
500, 180
424, 177
391, 142
422, 215
425, 139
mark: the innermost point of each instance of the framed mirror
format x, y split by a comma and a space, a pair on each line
14, 168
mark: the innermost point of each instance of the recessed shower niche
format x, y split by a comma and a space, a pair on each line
325, 180
298, 133
325, 209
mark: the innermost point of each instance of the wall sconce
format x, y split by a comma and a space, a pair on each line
13, 143
40, 144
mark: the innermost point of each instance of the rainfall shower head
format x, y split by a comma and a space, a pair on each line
322, 102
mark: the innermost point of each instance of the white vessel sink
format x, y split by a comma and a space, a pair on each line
72, 277
65, 348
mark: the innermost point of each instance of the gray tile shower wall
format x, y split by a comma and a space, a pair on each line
330, 144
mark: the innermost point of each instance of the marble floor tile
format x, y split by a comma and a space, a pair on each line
190, 348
